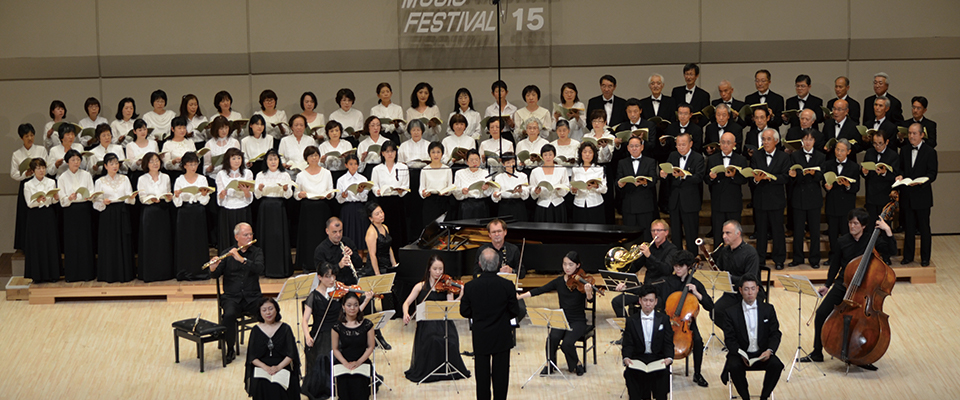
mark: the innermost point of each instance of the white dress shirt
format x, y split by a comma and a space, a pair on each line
159, 123
318, 122
349, 119
569, 151
578, 125
473, 123
53, 139
234, 199
606, 152
135, 153
435, 178
70, 182
280, 119
56, 153
218, 147
646, 321
750, 317
431, 134
273, 183
507, 111
121, 128
174, 150
315, 184
349, 179
34, 186
88, 123
559, 181
22, 154
541, 114
253, 146
372, 157
393, 111
190, 198
385, 178
291, 149
464, 178
411, 150
99, 153
531, 147
451, 142
113, 188
589, 197
508, 184
198, 135
147, 187
334, 163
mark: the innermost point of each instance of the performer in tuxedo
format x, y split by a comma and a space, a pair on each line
685, 191
508, 256
880, 120
849, 246
769, 197
726, 189
241, 283
657, 258
647, 337
753, 328
840, 127
807, 199
726, 97
634, 122
918, 107
658, 104
692, 94
682, 266
490, 302
339, 250
616, 107
916, 200
878, 181
803, 101
841, 86
753, 140
738, 258
684, 125
881, 82
639, 205
716, 129
841, 196
764, 95
807, 119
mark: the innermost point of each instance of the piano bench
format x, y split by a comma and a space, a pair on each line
204, 332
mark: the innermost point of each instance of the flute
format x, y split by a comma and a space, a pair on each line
221, 258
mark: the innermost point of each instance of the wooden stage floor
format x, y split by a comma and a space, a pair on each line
109, 349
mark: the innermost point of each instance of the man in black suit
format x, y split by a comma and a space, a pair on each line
880, 85
917, 160
634, 122
765, 95
615, 107
647, 337
879, 181
241, 283
752, 140
726, 188
769, 196
840, 127
639, 206
716, 129
841, 86
347, 259
880, 121
685, 191
658, 104
692, 94
751, 328
804, 101
807, 119
918, 107
841, 196
684, 125
657, 259
807, 199
491, 302
726, 97
739, 259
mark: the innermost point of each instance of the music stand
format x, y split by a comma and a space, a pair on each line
619, 324
441, 311
802, 286
294, 288
611, 279
379, 320
550, 319
378, 284
715, 280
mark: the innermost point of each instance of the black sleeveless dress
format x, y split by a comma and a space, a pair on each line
428, 344
384, 242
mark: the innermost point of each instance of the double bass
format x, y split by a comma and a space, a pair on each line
857, 330
682, 308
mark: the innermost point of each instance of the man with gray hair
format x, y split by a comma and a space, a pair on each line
657, 104
881, 82
881, 119
491, 302
841, 195
726, 97
769, 196
241, 270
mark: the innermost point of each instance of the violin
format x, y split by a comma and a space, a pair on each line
581, 278
341, 290
448, 284
683, 309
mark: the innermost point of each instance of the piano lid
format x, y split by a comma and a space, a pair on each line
555, 233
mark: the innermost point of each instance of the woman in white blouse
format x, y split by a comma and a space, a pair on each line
435, 179
370, 158
114, 235
566, 148
190, 110
600, 136
350, 119
176, 147
472, 202
155, 258
126, 114
218, 145
391, 182
223, 102
27, 151
256, 143
314, 192
273, 187
531, 95
387, 109
191, 193
55, 159
292, 147
58, 111
514, 190
531, 144
496, 145
576, 114
137, 149
275, 119
315, 121
463, 105
41, 255
159, 118
234, 203
355, 221
422, 105
414, 152
458, 139
550, 206
99, 153
78, 252
588, 205
335, 143
93, 119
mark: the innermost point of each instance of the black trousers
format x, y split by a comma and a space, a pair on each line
770, 221
717, 218
832, 299
640, 220
836, 226
492, 367
629, 299
697, 352
773, 367
917, 220
641, 385
566, 341
232, 310
812, 219
685, 224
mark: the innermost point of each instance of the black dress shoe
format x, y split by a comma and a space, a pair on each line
887, 261
467, 353
815, 265
794, 264
546, 370
581, 370
869, 367
826, 263
779, 266
383, 342
812, 358
925, 263
753, 236
618, 342
906, 261
698, 379
230, 356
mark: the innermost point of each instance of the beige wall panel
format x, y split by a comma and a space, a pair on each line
725, 21
315, 25
903, 19
631, 81
289, 87
945, 213
203, 87
822, 75
34, 28
446, 83
589, 22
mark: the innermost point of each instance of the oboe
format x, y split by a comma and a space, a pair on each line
343, 248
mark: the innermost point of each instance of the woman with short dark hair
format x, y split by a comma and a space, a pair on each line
41, 254
77, 190
272, 349
114, 237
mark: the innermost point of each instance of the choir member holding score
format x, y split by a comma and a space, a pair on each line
532, 143
137, 149
386, 109
155, 255
639, 198
355, 222
223, 102
550, 205
28, 151
190, 110
391, 182
78, 250
234, 202
275, 120
576, 112
58, 111
93, 119
502, 108
292, 147
334, 143
55, 159
314, 189
415, 152
463, 105
191, 193
531, 97
114, 236
96, 160
514, 190
256, 143
566, 147
315, 120
369, 148
350, 119
159, 118
423, 105
42, 242
273, 186
126, 115
457, 140
434, 179
726, 188
218, 145
807, 198
497, 144
472, 202
176, 147
588, 202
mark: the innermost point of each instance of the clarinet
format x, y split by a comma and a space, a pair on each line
343, 248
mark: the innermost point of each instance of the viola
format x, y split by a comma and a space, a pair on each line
341, 290
581, 278
448, 284
683, 310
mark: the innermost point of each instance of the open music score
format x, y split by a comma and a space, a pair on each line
377, 284
719, 280
296, 287
438, 310
612, 278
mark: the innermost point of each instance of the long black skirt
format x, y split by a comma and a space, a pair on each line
20, 232
413, 207
79, 262
589, 215
115, 245
313, 218
395, 218
428, 352
433, 207
190, 244
229, 218
42, 249
274, 237
473, 209
355, 223
513, 207
155, 259
551, 214
135, 210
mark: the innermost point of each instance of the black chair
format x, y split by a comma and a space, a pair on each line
199, 332
589, 335
244, 324
765, 268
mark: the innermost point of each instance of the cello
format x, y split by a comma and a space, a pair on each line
857, 330
683, 310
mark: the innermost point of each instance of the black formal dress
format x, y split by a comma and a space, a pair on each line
639, 205
769, 203
325, 313
642, 385
774, 103
491, 301
853, 108
686, 196
271, 351
766, 329
42, 245
726, 193
353, 343
573, 304
895, 113
155, 259
274, 233
807, 196
115, 245
429, 342
916, 201
840, 199
878, 186
78, 250
313, 216
190, 244
241, 289
614, 118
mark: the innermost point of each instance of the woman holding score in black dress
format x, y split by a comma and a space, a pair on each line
272, 349
353, 342
155, 261
191, 193
78, 250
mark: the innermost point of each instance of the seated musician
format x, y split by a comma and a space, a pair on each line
738, 258
751, 327
647, 337
675, 283
849, 246
241, 283
573, 303
656, 258
508, 255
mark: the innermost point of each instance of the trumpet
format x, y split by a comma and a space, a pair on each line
221, 258
619, 258
343, 248
707, 255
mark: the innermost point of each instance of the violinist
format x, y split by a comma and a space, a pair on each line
428, 342
849, 246
656, 258
324, 306
682, 266
241, 283
573, 302
647, 337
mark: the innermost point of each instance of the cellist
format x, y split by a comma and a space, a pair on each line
682, 265
849, 246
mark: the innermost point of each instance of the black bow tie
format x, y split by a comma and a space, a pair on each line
916, 148
841, 163
727, 156
683, 158
636, 159
728, 103
608, 101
